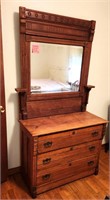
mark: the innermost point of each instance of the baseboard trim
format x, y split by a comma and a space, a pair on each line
13, 171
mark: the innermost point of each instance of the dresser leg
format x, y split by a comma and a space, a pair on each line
96, 170
33, 192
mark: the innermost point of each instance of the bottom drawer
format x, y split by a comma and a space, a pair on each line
66, 169
52, 185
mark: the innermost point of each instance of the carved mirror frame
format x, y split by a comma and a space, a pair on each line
37, 26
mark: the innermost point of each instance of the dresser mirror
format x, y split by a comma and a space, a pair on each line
55, 54
55, 67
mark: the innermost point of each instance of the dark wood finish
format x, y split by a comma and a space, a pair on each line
60, 149
3, 132
91, 187
50, 28
54, 26
60, 141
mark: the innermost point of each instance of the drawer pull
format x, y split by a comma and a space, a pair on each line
92, 148
95, 133
91, 163
46, 177
47, 144
73, 133
71, 148
46, 161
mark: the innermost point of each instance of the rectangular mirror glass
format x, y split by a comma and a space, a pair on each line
55, 67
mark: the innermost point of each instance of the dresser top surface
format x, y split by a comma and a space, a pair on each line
57, 123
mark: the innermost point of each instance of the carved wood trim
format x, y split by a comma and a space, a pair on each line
22, 94
49, 24
86, 96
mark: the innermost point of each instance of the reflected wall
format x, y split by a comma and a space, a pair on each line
55, 67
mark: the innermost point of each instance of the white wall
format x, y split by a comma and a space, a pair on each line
99, 67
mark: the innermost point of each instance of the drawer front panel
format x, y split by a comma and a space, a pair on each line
66, 169
51, 185
50, 159
69, 138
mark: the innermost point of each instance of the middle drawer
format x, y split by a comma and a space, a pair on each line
50, 159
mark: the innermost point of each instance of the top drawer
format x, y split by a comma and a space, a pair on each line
72, 137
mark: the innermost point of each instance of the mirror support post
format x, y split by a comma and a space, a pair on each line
22, 93
86, 96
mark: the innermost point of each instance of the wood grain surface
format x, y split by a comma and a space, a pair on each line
91, 187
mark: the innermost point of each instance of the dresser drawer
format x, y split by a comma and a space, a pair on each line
66, 169
51, 185
50, 159
68, 138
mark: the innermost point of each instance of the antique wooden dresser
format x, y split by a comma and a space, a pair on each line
60, 140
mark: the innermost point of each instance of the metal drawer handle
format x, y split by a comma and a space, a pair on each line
92, 148
46, 161
91, 163
46, 177
47, 144
95, 133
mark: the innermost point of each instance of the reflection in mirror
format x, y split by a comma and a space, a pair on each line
54, 67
